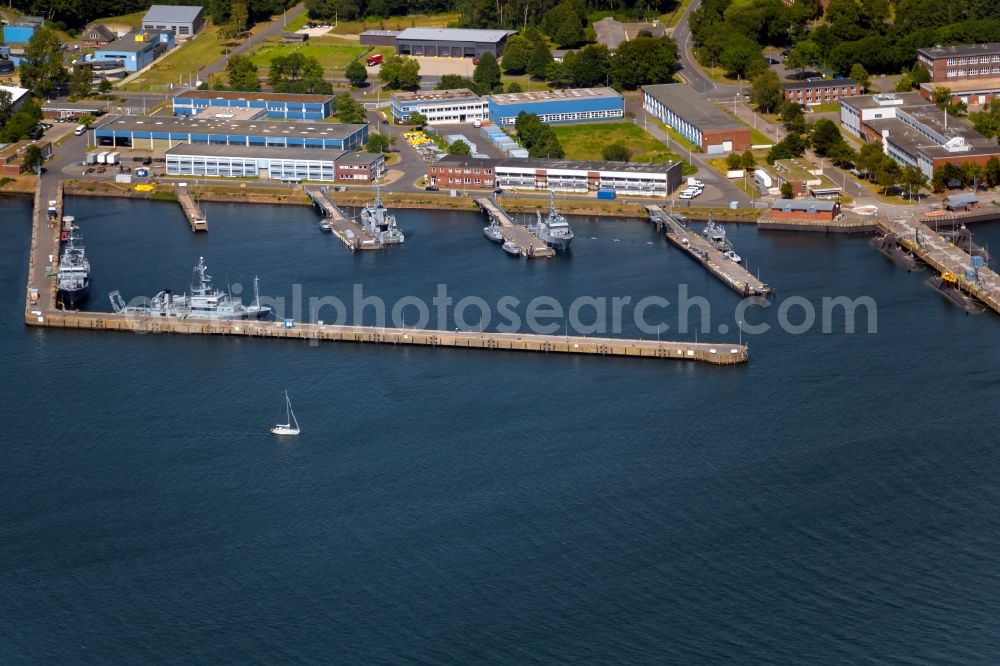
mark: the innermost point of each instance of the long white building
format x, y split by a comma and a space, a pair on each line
460, 105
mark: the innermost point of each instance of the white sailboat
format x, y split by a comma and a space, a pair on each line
287, 428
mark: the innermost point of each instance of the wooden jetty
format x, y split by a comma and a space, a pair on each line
194, 216
530, 245
729, 272
40, 311
353, 234
942, 255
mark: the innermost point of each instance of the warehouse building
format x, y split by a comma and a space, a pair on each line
52, 109
287, 164
915, 132
135, 50
811, 210
182, 20
461, 172
153, 132
460, 105
440, 42
558, 106
695, 118
277, 105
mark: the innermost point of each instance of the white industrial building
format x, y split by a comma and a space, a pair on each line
460, 105
295, 164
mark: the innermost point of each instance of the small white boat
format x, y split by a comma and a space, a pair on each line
325, 227
291, 425
732, 256
511, 248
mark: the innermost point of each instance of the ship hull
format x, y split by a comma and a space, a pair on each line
73, 297
497, 238
558, 244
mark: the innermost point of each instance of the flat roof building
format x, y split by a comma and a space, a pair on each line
18, 96
558, 106
440, 42
182, 20
20, 31
459, 105
154, 131
805, 209
135, 50
915, 132
961, 62
810, 93
695, 118
296, 164
232, 113
462, 172
277, 105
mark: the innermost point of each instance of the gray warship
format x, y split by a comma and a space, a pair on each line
554, 230
379, 222
73, 277
204, 302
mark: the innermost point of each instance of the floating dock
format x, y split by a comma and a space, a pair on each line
731, 273
194, 216
530, 245
40, 311
944, 257
353, 235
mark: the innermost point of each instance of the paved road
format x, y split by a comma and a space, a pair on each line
690, 69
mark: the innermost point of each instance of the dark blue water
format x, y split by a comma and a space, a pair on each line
833, 501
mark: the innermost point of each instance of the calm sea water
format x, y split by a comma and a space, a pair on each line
832, 502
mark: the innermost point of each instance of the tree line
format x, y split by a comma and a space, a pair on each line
73, 15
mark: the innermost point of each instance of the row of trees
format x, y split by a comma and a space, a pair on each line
539, 139
74, 14
968, 174
297, 73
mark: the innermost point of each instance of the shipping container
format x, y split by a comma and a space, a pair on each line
101, 157
123, 178
112, 158
606, 194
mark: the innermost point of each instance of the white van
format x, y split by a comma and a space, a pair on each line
80, 129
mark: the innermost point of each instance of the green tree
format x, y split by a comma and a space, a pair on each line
747, 160
20, 124
888, 174
33, 157
591, 66
105, 86
804, 54
733, 161
941, 96
870, 158
409, 74
356, 73
348, 109
792, 116
824, 136
842, 155
514, 87
616, 152
81, 81
238, 17
541, 58
766, 91
417, 119
914, 180
517, 55
558, 74
742, 58
42, 68
452, 82
564, 24
860, 75
787, 190
6, 106
459, 147
993, 171
486, 77
242, 74
644, 60
378, 143
297, 73
86, 119
918, 74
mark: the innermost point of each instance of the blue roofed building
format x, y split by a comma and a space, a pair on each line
155, 132
278, 105
558, 106
135, 50
20, 31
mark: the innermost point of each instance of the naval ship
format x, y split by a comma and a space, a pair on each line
379, 223
204, 302
554, 229
73, 277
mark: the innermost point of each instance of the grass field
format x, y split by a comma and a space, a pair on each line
333, 54
182, 62
392, 23
587, 141
134, 20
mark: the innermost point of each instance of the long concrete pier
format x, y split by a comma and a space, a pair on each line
195, 217
530, 245
732, 274
40, 310
942, 255
352, 234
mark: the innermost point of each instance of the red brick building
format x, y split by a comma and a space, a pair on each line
821, 92
811, 210
462, 172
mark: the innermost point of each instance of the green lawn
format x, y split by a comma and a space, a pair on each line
182, 62
442, 20
526, 82
134, 19
758, 138
587, 141
333, 54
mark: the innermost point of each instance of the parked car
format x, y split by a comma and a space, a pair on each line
685, 195
432, 188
